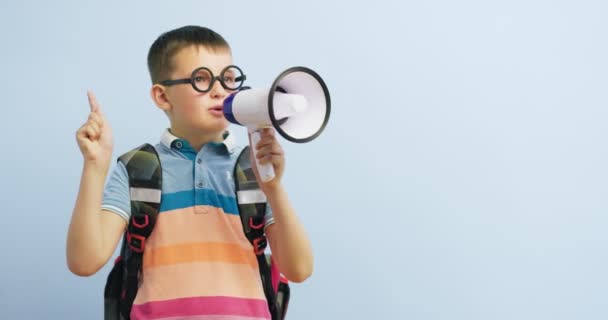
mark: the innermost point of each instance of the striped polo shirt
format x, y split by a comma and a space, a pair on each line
197, 262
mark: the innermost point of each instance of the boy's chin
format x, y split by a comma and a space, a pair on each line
218, 127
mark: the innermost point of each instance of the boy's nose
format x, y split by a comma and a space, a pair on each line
217, 90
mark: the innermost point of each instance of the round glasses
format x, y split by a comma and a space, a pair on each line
202, 79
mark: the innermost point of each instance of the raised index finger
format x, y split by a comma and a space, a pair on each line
93, 101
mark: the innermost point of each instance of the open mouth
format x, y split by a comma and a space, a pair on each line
217, 108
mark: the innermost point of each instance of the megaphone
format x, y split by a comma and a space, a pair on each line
297, 106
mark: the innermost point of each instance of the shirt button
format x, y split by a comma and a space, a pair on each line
200, 184
178, 144
199, 160
201, 210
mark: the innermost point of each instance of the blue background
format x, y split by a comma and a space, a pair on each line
462, 174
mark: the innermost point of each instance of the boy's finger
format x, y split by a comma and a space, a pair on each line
91, 133
81, 133
96, 118
264, 151
263, 143
95, 127
93, 104
268, 132
276, 149
267, 139
266, 160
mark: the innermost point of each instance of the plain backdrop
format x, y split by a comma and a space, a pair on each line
462, 174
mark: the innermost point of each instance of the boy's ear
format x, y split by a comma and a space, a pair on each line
160, 97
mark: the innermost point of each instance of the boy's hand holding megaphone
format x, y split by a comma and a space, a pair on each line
268, 152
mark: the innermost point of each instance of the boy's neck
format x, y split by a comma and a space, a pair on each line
198, 140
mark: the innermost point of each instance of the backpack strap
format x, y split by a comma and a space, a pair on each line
145, 185
251, 202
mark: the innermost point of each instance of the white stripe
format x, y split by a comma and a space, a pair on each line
144, 194
251, 196
116, 210
269, 223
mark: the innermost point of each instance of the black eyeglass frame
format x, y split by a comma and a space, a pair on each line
191, 81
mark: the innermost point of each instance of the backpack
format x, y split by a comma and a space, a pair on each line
145, 185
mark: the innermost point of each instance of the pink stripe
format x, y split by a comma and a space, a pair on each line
186, 307
214, 318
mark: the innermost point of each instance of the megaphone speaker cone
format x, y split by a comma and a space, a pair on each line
310, 99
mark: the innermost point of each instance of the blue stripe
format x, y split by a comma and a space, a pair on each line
198, 197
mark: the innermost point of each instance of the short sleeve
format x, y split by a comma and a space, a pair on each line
116, 193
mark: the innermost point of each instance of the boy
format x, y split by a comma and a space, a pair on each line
197, 262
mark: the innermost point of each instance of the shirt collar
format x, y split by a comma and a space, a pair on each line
170, 141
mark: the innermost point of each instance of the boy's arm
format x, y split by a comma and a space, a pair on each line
289, 243
93, 234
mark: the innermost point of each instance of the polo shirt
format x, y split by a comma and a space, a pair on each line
197, 263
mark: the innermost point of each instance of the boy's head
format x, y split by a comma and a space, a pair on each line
192, 100
162, 52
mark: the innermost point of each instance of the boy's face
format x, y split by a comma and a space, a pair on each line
192, 112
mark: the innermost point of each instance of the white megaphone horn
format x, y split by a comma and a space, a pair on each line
297, 106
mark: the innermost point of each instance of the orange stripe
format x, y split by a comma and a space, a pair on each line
200, 280
199, 252
197, 224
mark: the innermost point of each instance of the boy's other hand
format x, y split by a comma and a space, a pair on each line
269, 151
95, 136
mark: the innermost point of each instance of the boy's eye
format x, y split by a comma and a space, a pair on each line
202, 76
232, 78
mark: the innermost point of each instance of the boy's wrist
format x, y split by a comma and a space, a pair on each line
272, 189
96, 168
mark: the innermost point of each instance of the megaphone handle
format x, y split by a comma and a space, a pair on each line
266, 171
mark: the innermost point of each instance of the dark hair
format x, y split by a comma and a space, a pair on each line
168, 44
